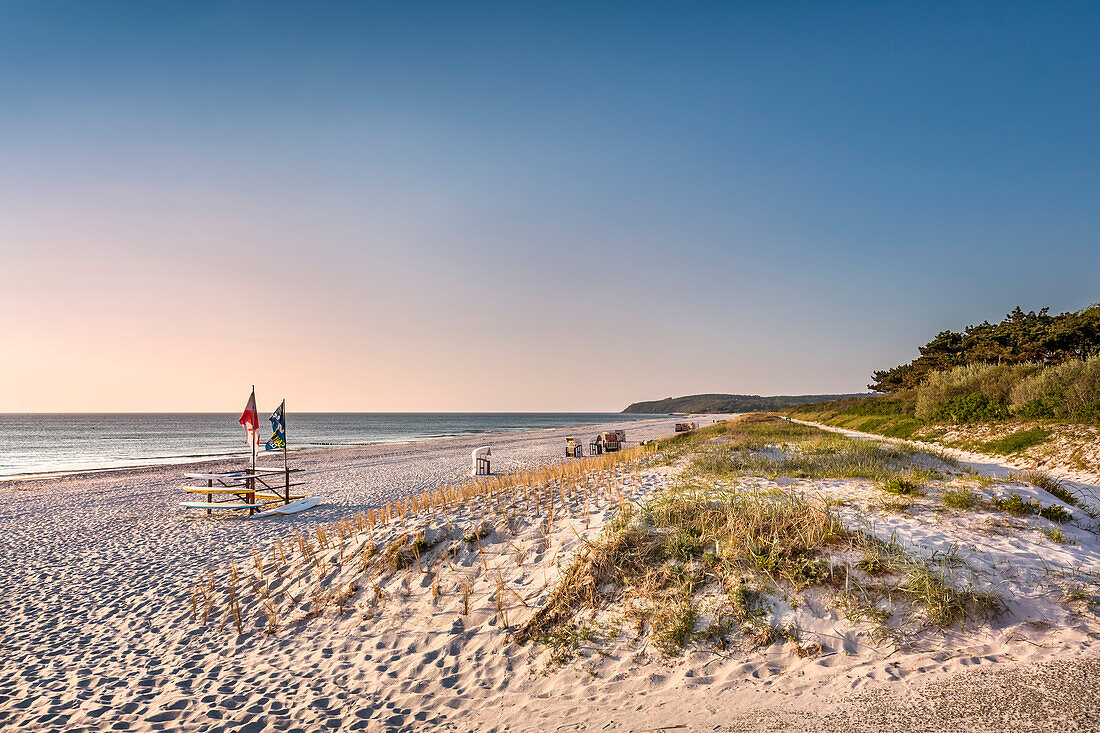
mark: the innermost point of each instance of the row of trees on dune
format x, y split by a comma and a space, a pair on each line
1021, 337
1031, 365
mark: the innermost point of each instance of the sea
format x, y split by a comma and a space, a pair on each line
46, 444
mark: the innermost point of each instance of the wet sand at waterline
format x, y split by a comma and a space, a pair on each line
100, 630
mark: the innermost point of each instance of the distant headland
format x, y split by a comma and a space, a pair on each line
727, 403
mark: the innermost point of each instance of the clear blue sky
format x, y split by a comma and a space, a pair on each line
481, 206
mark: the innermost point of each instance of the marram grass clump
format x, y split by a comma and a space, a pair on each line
962, 497
659, 555
901, 485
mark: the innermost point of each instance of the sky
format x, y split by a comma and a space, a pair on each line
527, 206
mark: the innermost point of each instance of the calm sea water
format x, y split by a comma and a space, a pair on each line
41, 444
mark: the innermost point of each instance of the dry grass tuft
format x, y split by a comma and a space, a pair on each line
271, 611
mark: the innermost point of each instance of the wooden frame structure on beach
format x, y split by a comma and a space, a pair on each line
252, 489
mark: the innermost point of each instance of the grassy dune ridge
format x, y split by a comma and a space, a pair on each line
740, 534
1043, 444
1010, 388
704, 561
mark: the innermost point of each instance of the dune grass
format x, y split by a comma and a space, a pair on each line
337, 566
681, 541
1055, 534
655, 560
772, 447
1051, 485
963, 498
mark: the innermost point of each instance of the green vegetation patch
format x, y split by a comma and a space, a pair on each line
771, 448
963, 498
901, 485
1051, 485
1055, 534
972, 408
1015, 504
888, 416
1017, 442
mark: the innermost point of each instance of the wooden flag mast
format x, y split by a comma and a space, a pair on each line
252, 438
286, 467
251, 483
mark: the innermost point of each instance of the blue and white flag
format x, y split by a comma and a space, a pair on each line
277, 441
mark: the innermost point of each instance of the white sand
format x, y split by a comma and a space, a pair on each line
99, 634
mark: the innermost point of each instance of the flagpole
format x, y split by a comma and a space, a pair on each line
286, 468
254, 436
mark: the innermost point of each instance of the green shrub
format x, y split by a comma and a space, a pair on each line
877, 407
1018, 505
1067, 391
994, 382
900, 485
1055, 513
972, 408
1036, 410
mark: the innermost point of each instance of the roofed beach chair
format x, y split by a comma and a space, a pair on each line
480, 461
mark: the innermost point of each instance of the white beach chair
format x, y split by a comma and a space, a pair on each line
480, 462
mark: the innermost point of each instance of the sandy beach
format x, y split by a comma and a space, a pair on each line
98, 567
103, 630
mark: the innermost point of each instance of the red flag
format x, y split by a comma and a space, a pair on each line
250, 419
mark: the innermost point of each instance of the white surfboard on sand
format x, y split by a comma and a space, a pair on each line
292, 508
